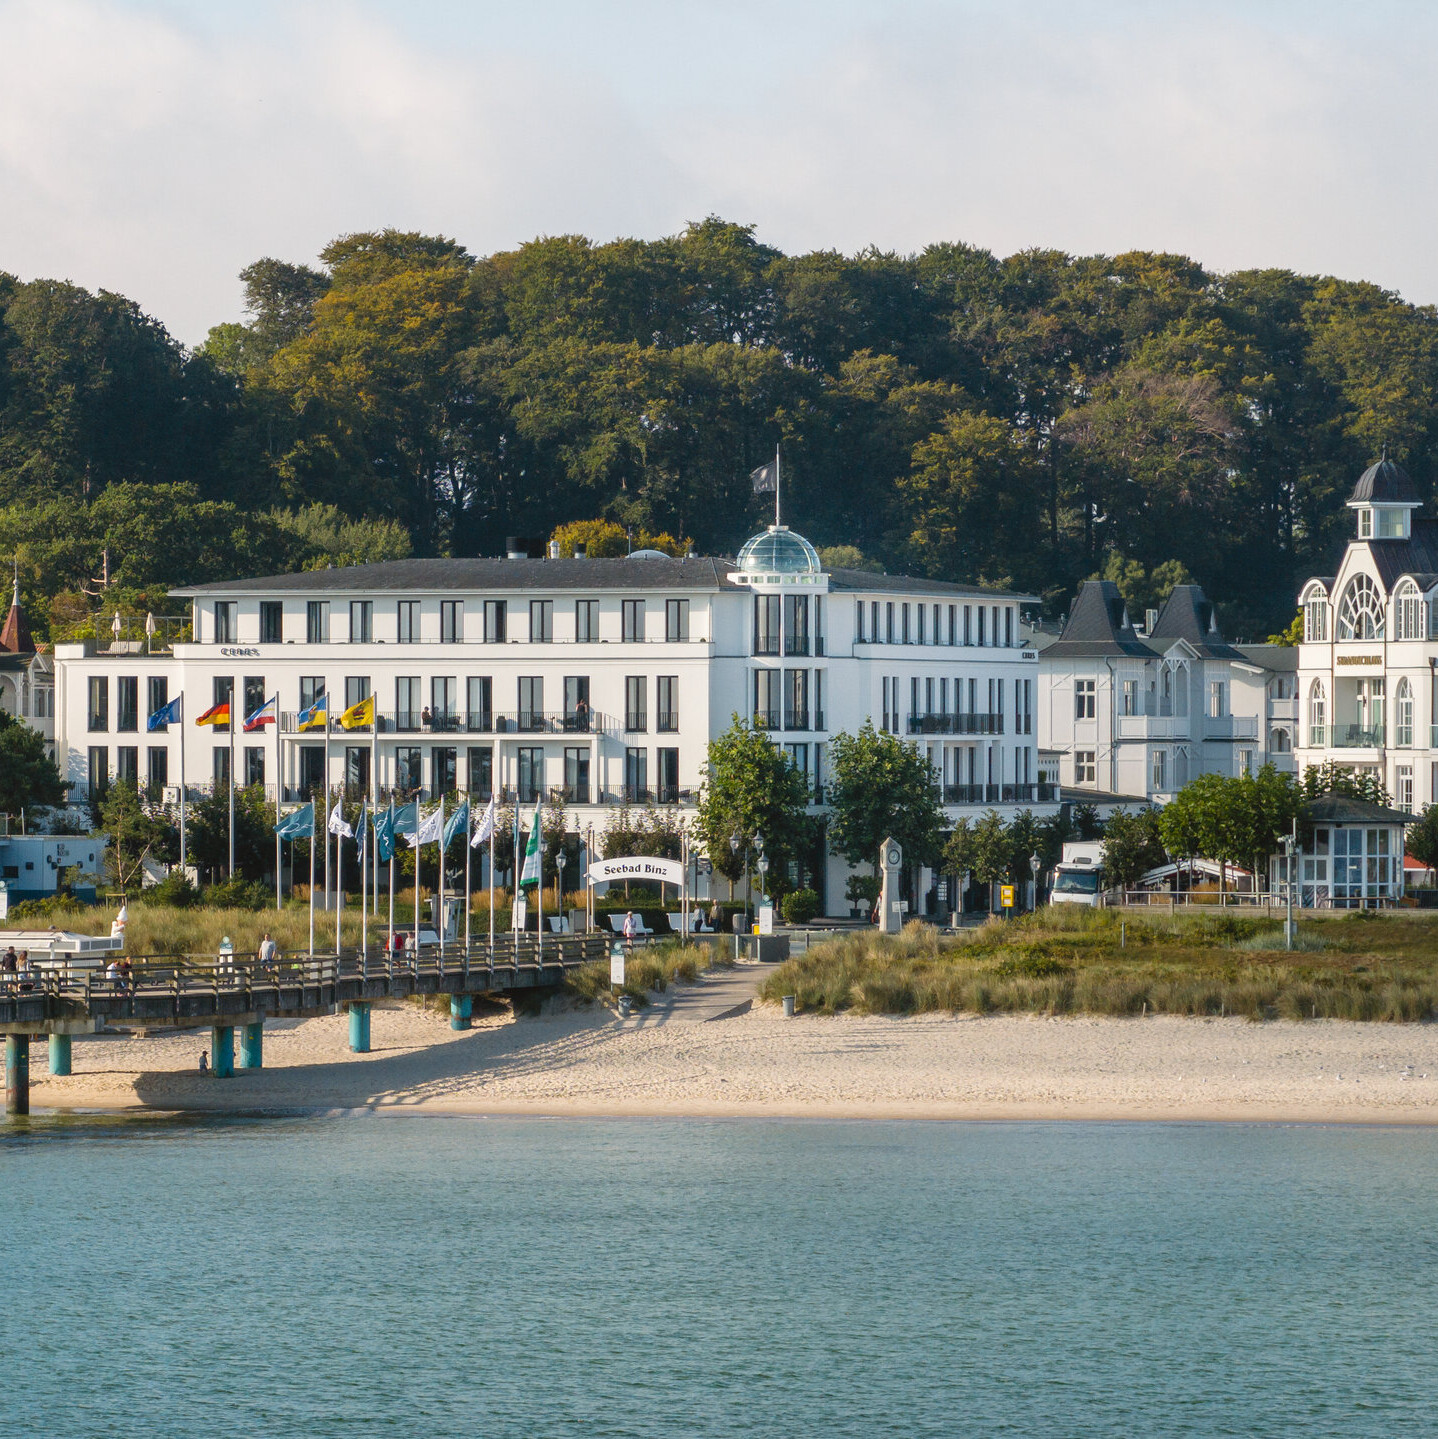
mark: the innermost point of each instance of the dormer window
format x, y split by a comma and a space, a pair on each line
1365, 524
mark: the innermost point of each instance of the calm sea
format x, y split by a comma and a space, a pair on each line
469, 1277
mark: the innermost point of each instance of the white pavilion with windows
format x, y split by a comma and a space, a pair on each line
1368, 662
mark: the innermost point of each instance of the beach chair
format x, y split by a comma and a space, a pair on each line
676, 923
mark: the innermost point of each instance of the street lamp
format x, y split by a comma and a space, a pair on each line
733, 850
763, 868
1036, 864
560, 860
1288, 842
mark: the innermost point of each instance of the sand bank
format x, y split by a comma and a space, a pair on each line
759, 1064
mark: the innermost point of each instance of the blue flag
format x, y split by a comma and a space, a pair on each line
166, 715
458, 823
384, 834
298, 825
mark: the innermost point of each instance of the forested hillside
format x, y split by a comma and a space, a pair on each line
1031, 420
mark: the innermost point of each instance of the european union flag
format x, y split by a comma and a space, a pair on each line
166, 715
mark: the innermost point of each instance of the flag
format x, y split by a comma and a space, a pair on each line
765, 479
359, 716
166, 715
216, 714
532, 861
406, 818
360, 822
485, 832
316, 717
337, 823
298, 824
384, 834
264, 715
457, 823
429, 830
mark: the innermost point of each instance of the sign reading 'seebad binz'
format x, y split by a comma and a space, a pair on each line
640, 866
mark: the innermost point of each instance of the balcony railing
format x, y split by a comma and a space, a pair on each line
796, 719
766, 719
1357, 737
131, 634
636, 721
402, 722
1318, 736
666, 722
796, 644
956, 724
1000, 793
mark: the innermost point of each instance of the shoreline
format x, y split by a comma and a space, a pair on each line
585, 1064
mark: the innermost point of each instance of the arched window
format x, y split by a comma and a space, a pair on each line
1317, 716
1360, 614
1403, 728
1315, 616
1279, 742
1409, 620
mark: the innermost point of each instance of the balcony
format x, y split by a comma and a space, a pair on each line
1230, 727
765, 719
636, 721
1000, 793
425, 722
1357, 737
796, 644
571, 794
796, 719
1286, 709
956, 724
666, 722
115, 634
1159, 727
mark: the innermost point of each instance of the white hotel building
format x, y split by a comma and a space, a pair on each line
595, 682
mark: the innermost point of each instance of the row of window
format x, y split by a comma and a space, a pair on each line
1363, 614
893, 622
494, 614
1132, 702
936, 708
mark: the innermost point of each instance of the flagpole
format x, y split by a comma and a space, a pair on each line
374, 806
314, 835
492, 828
440, 890
364, 879
327, 798
182, 782
776, 486
391, 874
279, 796
539, 886
231, 728
468, 849
418, 851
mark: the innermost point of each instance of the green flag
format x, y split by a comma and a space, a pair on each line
531, 852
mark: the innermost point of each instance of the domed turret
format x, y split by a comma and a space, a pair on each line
1384, 499
779, 551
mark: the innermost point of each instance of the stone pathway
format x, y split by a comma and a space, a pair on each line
719, 994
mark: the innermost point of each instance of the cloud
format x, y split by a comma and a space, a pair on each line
145, 151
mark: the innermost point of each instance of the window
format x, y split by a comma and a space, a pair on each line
796, 624
444, 702
1217, 699
1085, 700
479, 703
157, 693
224, 622
255, 764
889, 621
407, 619
451, 623
444, 770
667, 766
127, 703
1160, 770
1365, 524
356, 769
636, 703
530, 761
495, 621
576, 775
1315, 620
1245, 762
223, 689
953, 624
1405, 787
676, 621
317, 622
766, 624
904, 618
666, 700
921, 613
1280, 742
98, 770
312, 688
356, 690
796, 699
1317, 715
633, 630
1085, 768
766, 699
818, 699
1008, 626
272, 622
408, 702
577, 714
531, 702
858, 622
636, 775
220, 765
361, 622
406, 769
1360, 613
541, 622
818, 624
1130, 697
586, 622
127, 764
968, 625
980, 610
1403, 731
157, 762
481, 771
1408, 613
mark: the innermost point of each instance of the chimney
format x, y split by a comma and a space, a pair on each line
516, 547
554, 549
581, 552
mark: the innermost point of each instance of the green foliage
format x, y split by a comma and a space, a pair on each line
1291, 636
800, 906
1231, 820
28, 776
1421, 837
175, 890
134, 831
605, 539
1132, 845
848, 557
881, 788
1143, 589
1333, 777
239, 894
208, 837
655, 832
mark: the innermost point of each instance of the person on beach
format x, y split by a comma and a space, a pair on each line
204, 1062
630, 927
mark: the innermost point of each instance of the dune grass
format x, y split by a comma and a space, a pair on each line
1068, 960
650, 968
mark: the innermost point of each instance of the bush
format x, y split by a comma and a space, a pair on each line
174, 890
800, 906
239, 894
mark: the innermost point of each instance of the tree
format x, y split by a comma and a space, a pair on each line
1421, 837
208, 838
1334, 777
993, 850
752, 788
1132, 845
881, 788
655, 832
1232, 820
134, 832
28, 776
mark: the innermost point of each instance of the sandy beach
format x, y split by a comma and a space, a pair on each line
587, 1062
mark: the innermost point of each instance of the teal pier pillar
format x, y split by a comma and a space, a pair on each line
222, 1051
59, 1054
359, 1026
17, 1074
252, 1045
461, 1008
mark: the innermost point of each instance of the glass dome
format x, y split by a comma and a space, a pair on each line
779, 551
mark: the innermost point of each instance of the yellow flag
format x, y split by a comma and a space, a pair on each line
359, 716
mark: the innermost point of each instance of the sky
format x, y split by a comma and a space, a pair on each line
155, 147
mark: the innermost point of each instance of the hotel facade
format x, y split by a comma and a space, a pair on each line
594, 683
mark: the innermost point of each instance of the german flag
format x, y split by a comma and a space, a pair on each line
216, 714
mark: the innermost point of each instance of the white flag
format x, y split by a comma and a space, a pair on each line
337, 823
486, 826
431, 829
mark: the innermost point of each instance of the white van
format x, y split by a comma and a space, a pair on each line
1078, 879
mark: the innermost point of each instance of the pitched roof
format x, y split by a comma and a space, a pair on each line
1098, 626
1385, 483
1333, 808
1417, 555
1282, 659
1187, 614
15, 634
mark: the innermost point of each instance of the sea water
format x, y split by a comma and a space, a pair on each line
530, 1277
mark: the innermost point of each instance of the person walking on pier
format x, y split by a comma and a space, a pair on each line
268, 954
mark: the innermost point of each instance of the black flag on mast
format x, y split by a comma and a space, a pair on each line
765, 479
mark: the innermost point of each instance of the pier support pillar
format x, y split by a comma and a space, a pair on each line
461, 1008
359, 1026
252, 1045
59, 1054
17, 1074
222, 1051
